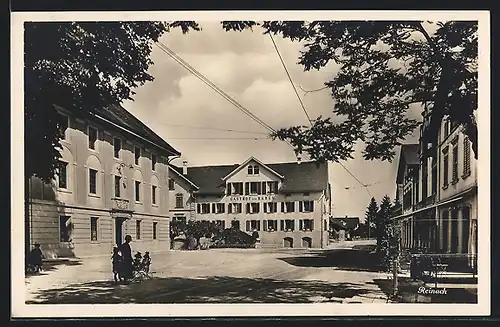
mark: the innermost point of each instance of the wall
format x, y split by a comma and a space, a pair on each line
76, 200
181, 187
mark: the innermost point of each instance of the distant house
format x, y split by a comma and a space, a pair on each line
344, 225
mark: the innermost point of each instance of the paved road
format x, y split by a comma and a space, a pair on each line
339, 274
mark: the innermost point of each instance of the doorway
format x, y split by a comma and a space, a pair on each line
306, 242
119, 231
288, 242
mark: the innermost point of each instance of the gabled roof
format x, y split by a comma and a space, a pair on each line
120, 117
409, 156
303, 177
178, 172
246, 163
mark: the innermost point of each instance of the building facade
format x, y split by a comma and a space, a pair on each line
112, 182
288, 204
438, 189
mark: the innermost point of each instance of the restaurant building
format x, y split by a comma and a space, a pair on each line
288, 204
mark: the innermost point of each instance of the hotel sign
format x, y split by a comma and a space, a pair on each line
252, 198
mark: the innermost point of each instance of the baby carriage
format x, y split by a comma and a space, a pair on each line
140, 266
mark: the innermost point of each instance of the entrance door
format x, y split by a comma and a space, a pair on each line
119, 231
288, 242
306, 242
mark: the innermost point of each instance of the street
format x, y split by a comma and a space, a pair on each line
341, 274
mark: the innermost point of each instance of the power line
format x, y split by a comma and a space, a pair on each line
290, 78
219, 138
215, 129
305, 111
209, 83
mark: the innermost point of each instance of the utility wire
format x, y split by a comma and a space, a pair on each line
219, 138
215, 129
290, 78
305, 111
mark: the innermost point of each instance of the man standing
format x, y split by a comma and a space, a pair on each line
126, 252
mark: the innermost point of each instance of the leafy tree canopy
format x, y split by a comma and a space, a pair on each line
80, 66
371, 213
385, 66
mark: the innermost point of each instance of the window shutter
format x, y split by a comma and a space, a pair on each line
258, 225
198, 209
312, 206
213, 208
248, 207
301, 224
248, 225
283, 207
229, 208
228, 189
282, 225
259, 188
301, 206
265, 225
265, 207
247, 188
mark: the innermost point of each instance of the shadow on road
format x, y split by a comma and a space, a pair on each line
204, 290
49, 266
345, 259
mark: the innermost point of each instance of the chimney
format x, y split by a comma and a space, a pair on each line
299, 159
184, 167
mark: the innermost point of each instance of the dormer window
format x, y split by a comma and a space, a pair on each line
253, 170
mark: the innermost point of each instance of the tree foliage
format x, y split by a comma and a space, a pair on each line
387, 232
80, 66
384, 67
371, 215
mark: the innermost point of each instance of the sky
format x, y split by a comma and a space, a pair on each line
246, 66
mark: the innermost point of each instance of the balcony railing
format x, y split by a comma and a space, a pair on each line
120, 204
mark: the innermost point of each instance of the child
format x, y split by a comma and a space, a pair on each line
146, 262
36, 258
116, 259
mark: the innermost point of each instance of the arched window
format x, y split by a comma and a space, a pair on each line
250, 170
94, 176
255, 170
138, 186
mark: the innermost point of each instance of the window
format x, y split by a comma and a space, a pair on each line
179, 200
92, 181
63, 123
270, 225
272, 187
65, 228
255, 187
288, 206
465, 228
155, 230
153, 162
424, 179
250, 170
288, 225
93, 228
117, 146
234, 208
445, 170
434, 177
118, 181
221, 224
235, 188
137, 154
306, 224
171, 184
63, 175
271, 207
137, 229
306, 206
203, 208
255, 170
467, 169
454, 171
218, 207
153, 194
253, 207
253, 225
137, 191
446, 127
92, 137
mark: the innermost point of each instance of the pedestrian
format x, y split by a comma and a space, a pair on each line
116, 260
126, 264
36, 257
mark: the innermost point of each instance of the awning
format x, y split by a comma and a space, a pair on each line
427, 208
